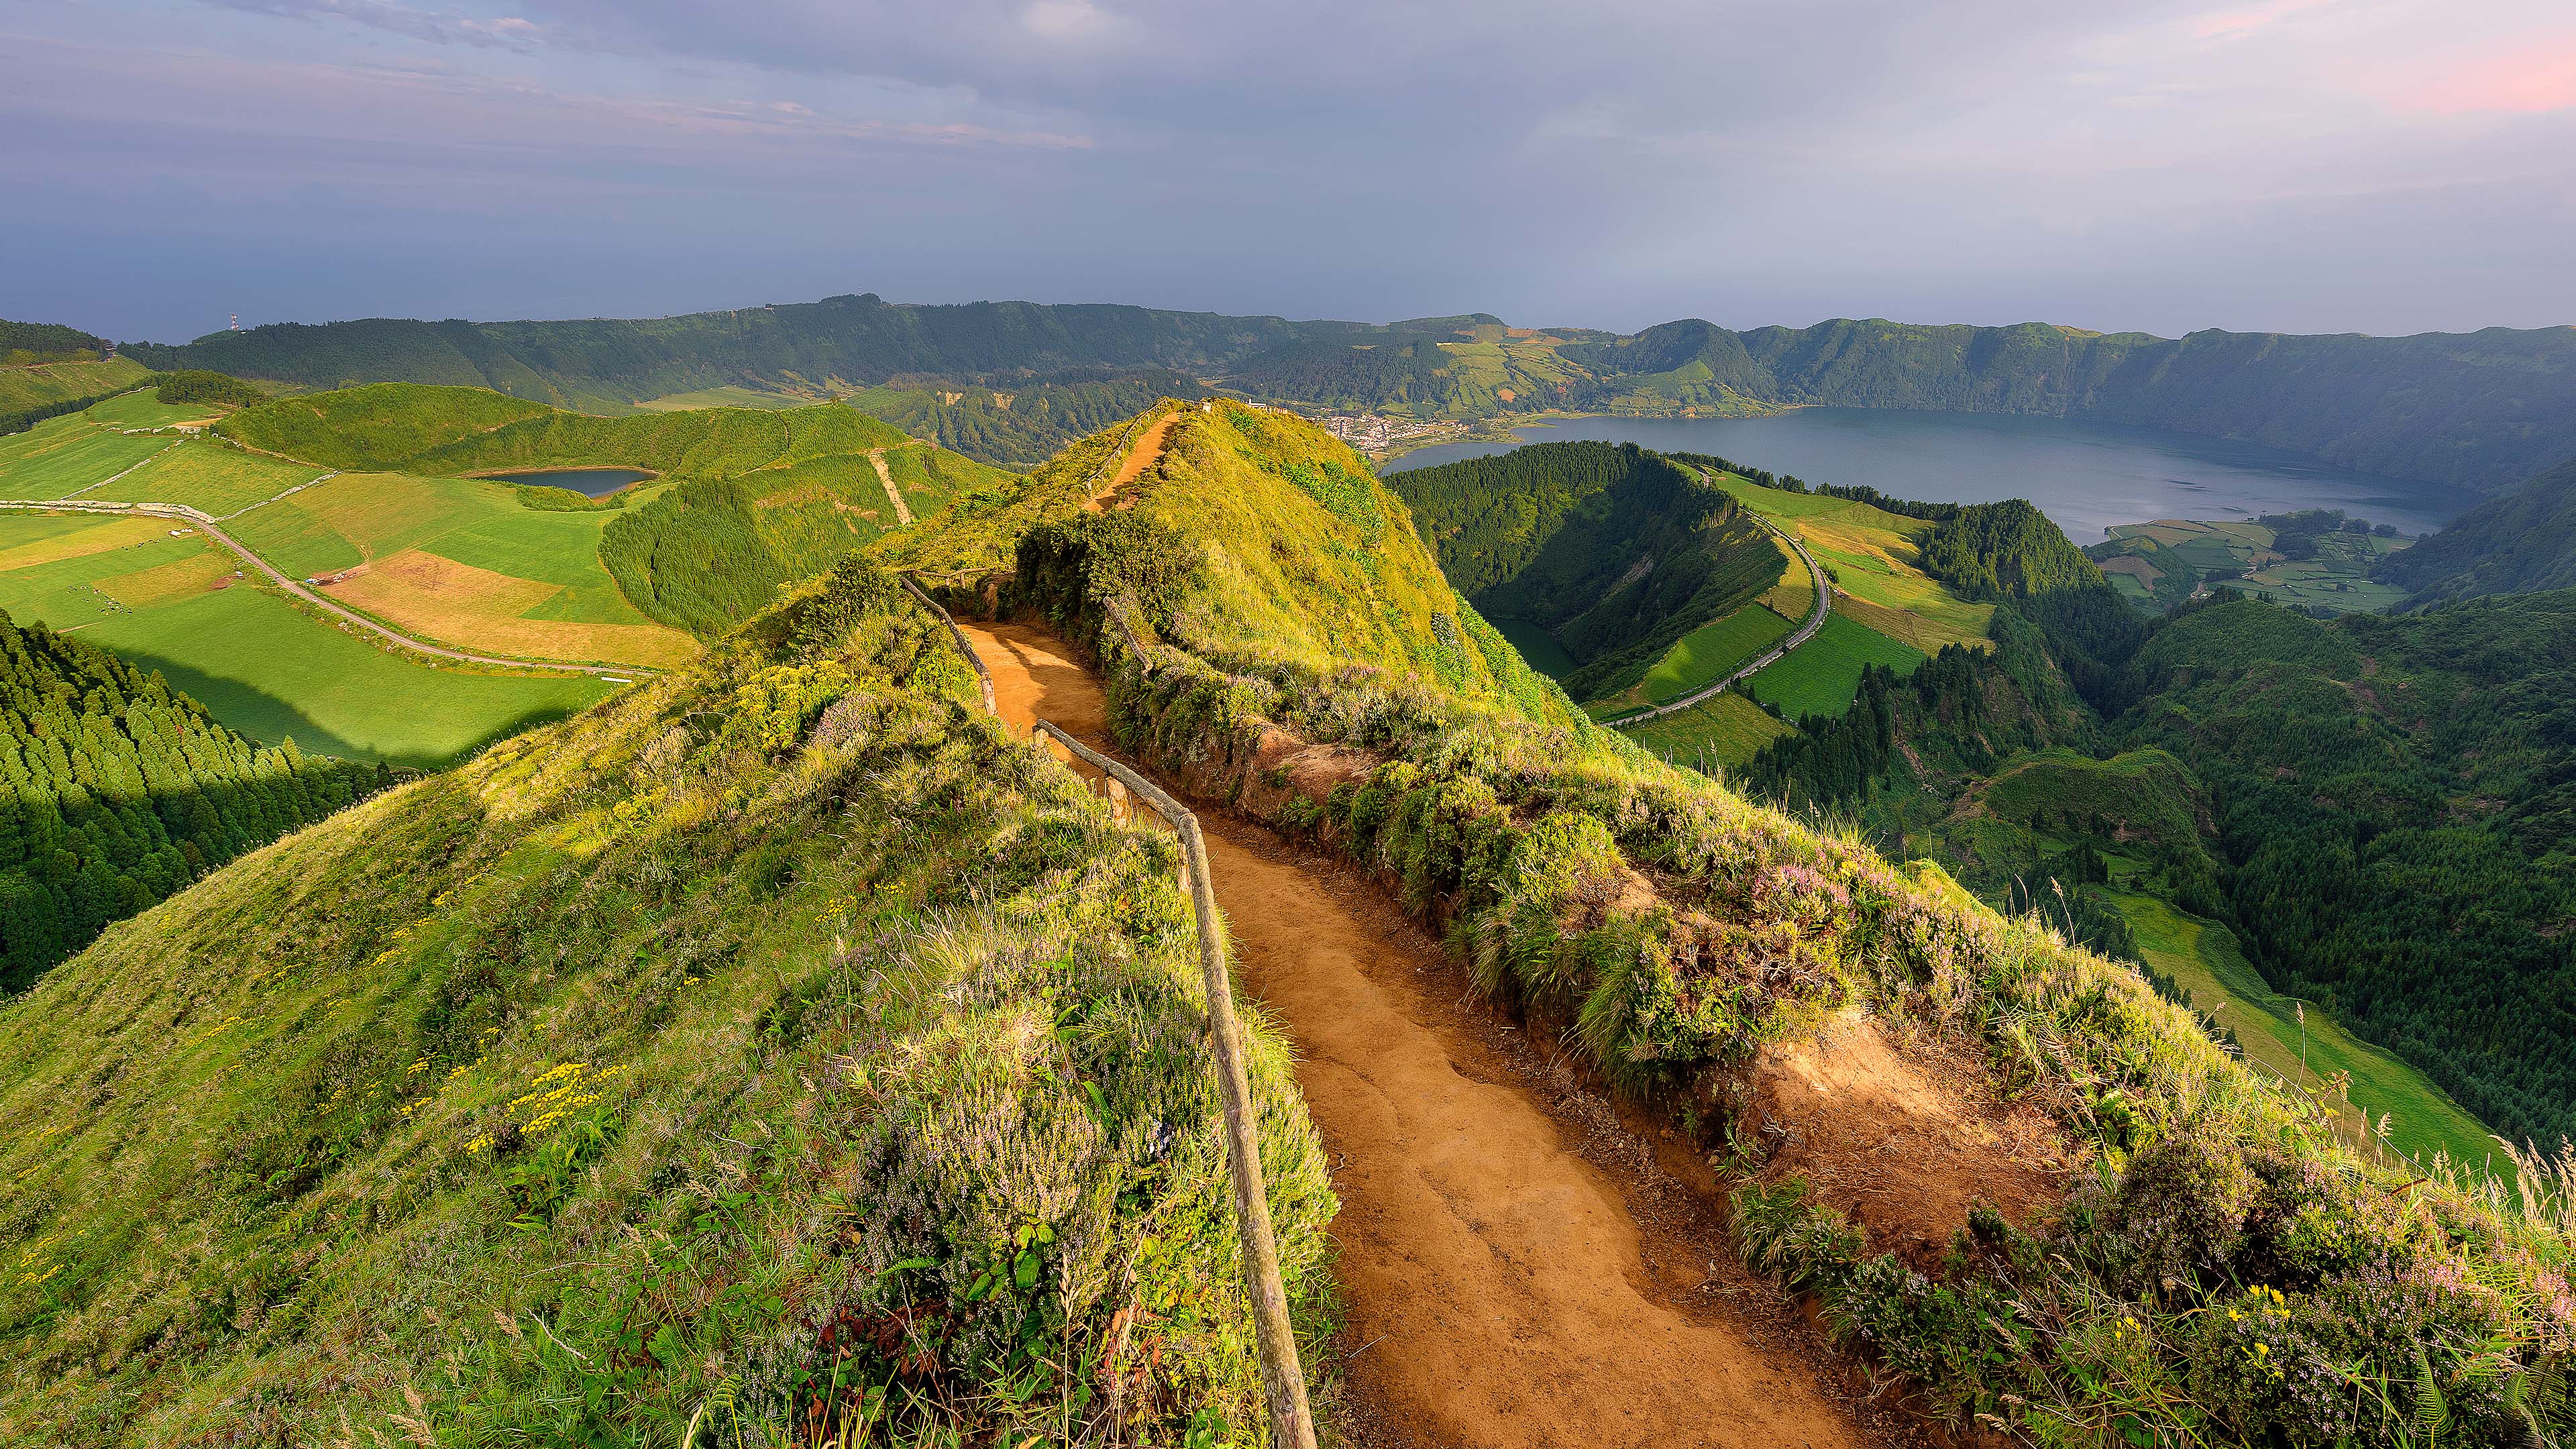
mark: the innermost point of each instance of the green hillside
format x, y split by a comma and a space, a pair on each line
120, 790
2521, 543
24, 344
30, 394
1619, 553
762, 497
2200, 1181
1020, 424
2008, 550
777, 1049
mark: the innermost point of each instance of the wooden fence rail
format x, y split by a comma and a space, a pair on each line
1292, 1424
957, 636
1283, 1378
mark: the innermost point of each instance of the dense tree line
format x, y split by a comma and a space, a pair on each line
1616, 551
24, 344
197, 385
116, 790
2007, 550
1792, 483
1031, 420
2517, 544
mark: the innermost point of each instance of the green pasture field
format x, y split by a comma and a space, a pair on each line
65, 455
367, 517
1713, 651
210, 477
1728, 727
2203, 958
2236, 555
1871, 555
145, 409
1821, 676
259, 663
48, 382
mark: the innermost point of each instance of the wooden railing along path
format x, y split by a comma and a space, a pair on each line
1292, 1423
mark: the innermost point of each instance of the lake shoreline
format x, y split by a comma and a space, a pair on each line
2086, 476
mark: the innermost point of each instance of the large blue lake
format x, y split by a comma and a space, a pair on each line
2085, 476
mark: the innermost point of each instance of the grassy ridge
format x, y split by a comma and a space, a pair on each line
426, 1120
2388, 1302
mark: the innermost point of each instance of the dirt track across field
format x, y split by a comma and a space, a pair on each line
1516, 1271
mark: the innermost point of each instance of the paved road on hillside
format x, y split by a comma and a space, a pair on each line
185, 514
1806, 631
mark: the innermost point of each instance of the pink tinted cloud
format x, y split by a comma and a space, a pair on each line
2230, 23
2534, 77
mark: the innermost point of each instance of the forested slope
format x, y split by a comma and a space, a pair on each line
2517, 544
1616, 551
116, 790
1026, 423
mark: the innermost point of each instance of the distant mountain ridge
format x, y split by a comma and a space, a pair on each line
2483, 410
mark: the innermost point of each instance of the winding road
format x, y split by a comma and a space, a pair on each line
184, 514
1805, 632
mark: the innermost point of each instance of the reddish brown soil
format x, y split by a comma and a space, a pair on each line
1516, 1269
1904, 1141
1139, 458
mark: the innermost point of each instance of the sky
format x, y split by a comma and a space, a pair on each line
2384, 166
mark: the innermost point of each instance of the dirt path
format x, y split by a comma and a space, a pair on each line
1516, 1271
1138, 459
894, 495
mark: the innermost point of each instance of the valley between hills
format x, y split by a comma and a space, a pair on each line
1722, 957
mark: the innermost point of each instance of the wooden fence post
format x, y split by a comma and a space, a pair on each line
1292, 1423
1283, 1378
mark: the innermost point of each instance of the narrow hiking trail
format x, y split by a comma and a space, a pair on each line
1138, 459
1514, 1270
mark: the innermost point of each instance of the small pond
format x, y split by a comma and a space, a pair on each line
588, 482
